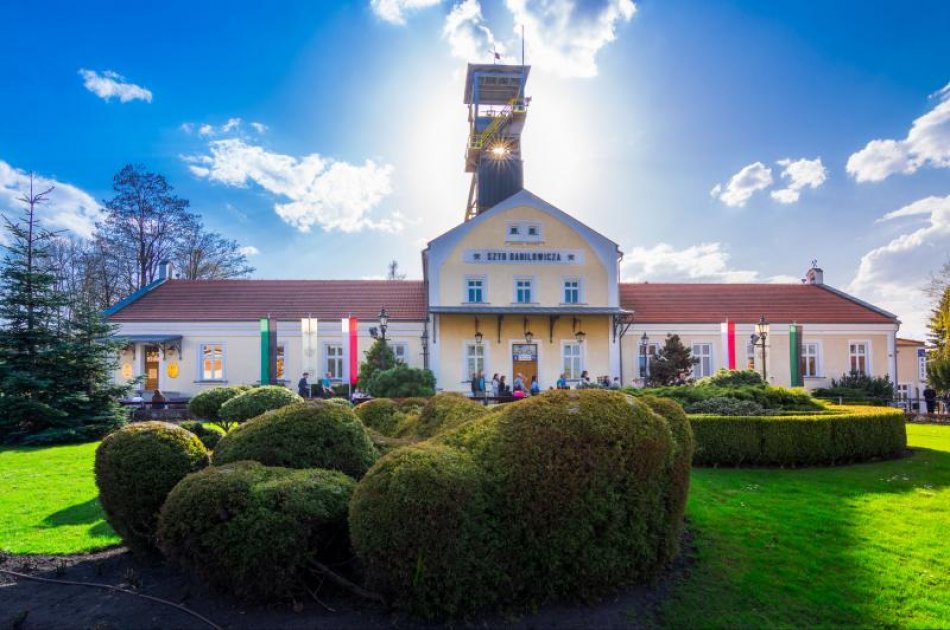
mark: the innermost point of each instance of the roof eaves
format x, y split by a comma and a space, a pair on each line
129, 299
859, 302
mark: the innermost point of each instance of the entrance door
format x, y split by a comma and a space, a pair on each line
151, 367
524, 361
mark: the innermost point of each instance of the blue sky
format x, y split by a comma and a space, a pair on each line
348, 149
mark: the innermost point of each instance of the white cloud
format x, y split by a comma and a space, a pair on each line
748, 181
206, 130
927, 144
800, 174
69, 208
468, 35
232, 126
394, 11
112, 84
892, 276
320, 191
259, 127
249, 250
706, 262
564, 36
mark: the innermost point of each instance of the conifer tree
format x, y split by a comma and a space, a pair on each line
379, 357
940, 325
672, 363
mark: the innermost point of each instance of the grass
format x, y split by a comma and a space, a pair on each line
851, 546
48, 501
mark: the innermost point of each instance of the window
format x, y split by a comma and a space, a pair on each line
859, 357
280, 361
334, 361
523, 232
514, 230
474, 359
652, 350
703, 352
475, 290
523, 290
401, 350
212, 362
572, 360
810, 359
533, 230
750, 356
572, 291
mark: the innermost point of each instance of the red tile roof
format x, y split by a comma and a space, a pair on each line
221, 300
663, 303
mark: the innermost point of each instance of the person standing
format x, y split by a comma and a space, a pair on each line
518, 384
474, 384
325, 385
303, 385
495, 382
535, 387
930, 398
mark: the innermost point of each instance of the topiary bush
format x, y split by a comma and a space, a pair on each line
379, 414
135, 468
724, 406
853, 434
312, 434
418, 521
255, 401
566, 494
445, 412
401, 381
251, 530
206, 404
209, 434
732, 378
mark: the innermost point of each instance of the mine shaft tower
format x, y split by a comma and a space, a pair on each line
497, 109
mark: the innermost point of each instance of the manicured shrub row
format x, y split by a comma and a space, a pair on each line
567, 494
387, 415
136, 467
206, 404
445, 412
852, 434
209, 434
314, 434
765, 396
255, 401
253, 530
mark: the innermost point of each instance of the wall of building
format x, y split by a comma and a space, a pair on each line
909, 371
242, 350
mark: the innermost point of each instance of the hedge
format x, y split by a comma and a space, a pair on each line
136, 467
251, 530
314, 434
853, 434
206, 404
445, 412
390, 416
256, 401
209, 434
567, 494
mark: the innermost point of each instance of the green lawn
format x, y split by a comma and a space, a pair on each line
859, 545
48, 501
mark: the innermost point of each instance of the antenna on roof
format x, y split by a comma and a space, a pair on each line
522, 45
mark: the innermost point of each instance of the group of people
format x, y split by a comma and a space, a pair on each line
306, 391
499, 387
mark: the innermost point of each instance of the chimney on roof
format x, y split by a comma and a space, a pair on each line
165, 270
815, 275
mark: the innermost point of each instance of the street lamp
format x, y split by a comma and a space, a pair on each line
528, 335
579, 335
383, 323
761, 335
644, 349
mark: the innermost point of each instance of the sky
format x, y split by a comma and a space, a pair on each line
728, 141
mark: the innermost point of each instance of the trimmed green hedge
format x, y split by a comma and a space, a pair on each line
256, 401
206, 405
389, 416
854, 434
445, 412
253, 530
209, 434
314, 434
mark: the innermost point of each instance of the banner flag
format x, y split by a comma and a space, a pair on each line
309, 344
729, 343
354, 351
265, 351
795, 355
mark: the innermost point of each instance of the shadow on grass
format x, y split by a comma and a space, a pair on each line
79, 514
816, 546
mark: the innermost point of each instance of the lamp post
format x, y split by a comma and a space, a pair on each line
383, 319
579, 335
761, 335
644, 349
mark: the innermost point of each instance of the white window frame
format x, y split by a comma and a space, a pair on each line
697, 370
579, 289
326, 360
484, 289
532, 288
581, 356
867, 355
467, 345
404, 348
281, 367
520, 232
201, 362
653, 348
819, 371
751, 350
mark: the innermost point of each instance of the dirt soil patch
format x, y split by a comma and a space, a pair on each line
27, 604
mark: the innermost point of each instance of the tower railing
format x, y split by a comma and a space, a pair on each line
478, 141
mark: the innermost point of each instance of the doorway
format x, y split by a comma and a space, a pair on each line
151, 367
524, 361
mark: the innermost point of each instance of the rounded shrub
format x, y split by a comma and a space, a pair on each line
847, 434
304, 435
418, 522
209, 434
445, 412
379, 414
580, 492
255, 401
206, 404
251, 530
135, 468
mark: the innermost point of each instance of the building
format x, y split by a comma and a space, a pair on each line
519, 286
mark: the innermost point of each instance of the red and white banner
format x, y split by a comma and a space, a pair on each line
351, 358
729, 343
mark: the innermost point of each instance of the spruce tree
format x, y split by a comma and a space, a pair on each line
672, 363
940, 325
379, 357
30, 327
